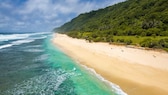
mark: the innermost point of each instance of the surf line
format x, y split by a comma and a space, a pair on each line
115, 88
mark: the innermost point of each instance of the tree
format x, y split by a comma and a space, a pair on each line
154, 35
143, 34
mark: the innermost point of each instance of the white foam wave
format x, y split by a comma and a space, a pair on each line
13, 37
15, 43
41, 57
5, 46
38, 33
33, 50
114, 87
34, 46
21, 38
36, 38
7, 37
21, 42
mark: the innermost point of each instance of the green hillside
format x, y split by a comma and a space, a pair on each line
144, 20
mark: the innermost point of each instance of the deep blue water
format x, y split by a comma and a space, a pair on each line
31, 65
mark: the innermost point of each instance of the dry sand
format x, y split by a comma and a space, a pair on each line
136, 71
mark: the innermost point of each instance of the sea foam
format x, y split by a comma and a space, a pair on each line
34, 50
5, 46
8, 37
21, 42
18, 42
115, 88
46, 84
18, 39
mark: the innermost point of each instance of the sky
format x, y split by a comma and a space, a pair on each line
44, 15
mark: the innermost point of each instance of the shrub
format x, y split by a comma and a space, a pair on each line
149, 43
128, 42
120, 40
98, 39
109, 38
163, 43
154, 35
143, 34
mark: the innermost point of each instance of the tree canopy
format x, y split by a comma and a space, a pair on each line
144, 18
132, 17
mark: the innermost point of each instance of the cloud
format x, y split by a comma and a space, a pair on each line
20, 23
48, 7
34, 5
5, 5
71, 1
4, 18
44, 15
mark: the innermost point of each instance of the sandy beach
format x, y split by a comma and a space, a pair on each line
136, 71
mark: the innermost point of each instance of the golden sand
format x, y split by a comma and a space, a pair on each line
136, 71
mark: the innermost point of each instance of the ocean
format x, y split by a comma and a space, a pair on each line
30, 64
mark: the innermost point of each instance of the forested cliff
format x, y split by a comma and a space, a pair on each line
140, 18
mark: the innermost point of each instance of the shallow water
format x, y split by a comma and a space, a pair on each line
31, 65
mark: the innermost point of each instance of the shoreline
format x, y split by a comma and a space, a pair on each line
137, 72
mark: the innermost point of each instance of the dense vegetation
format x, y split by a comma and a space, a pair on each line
138, 22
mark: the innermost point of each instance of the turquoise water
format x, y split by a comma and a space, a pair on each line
31, 65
